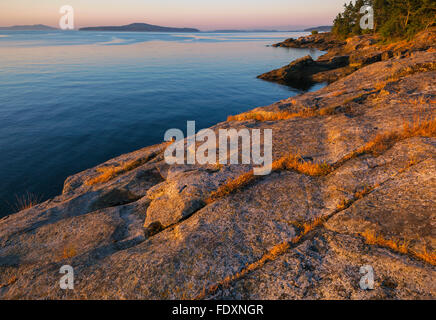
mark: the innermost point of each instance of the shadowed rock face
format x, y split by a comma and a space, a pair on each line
150, 233
300, 73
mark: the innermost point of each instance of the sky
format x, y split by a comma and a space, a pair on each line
201, 14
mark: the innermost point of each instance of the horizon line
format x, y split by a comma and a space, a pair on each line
270, 28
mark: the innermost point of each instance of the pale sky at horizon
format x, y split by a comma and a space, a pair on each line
201, 14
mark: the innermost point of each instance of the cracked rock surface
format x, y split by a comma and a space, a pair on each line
149, 232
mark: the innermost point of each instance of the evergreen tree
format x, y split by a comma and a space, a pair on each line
392, 18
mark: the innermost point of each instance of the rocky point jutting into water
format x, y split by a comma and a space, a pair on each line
353, 184
343, 57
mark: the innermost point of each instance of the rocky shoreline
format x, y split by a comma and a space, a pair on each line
135, 227
343, 57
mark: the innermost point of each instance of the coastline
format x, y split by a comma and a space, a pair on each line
343, 57
108, 228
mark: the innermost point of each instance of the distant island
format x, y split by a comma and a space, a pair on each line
139, 27
240, 31
35, 27
320, 28
144, 27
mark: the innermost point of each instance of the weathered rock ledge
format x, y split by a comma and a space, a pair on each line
253, 243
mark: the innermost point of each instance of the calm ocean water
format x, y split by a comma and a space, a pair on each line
72, 100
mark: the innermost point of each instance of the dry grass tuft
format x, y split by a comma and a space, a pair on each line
307, 227
10, 281
399, 246
423, 127
411, 163
338, 93
419, 127
372, 239
283, 115
108, 173
26, 201
355, 65
271, 255
384, 93
297, 163
69, 252
420, 101
380, 85
273, 116
231, 185
426, 256
327, 111
418, 68
379, 144
346, 203
363, 192
288, 162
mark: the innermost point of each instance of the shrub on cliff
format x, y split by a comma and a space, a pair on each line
392, 18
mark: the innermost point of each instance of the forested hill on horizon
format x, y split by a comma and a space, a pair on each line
35, 27
140, 27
